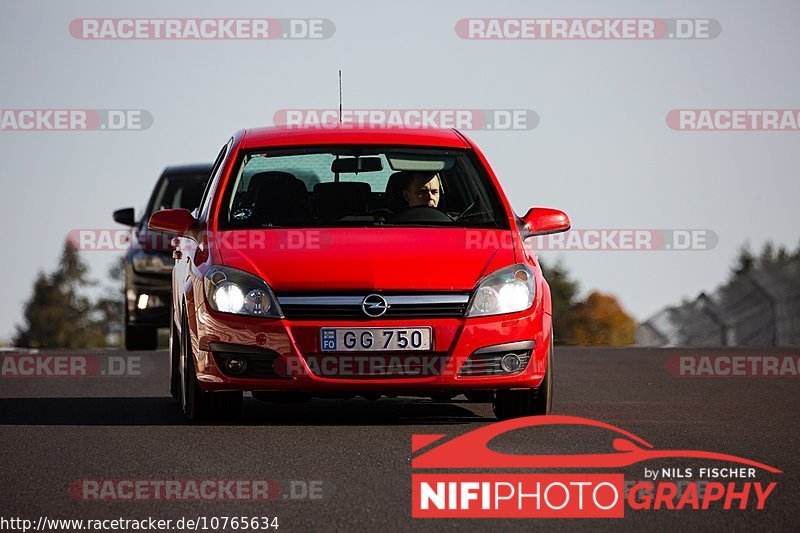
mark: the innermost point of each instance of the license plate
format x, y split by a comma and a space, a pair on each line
375, 339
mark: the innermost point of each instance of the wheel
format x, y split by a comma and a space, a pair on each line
174, 362
528, 402
141, 338
197, 404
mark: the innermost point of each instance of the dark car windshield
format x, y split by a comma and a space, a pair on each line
177, 191
364, 186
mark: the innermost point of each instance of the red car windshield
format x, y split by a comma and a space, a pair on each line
364, 186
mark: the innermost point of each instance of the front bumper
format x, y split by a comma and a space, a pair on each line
148, 296
291, 349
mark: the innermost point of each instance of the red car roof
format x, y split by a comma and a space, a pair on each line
286, 136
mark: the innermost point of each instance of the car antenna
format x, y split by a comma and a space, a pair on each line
336, 176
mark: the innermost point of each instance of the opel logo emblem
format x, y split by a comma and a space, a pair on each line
374, 305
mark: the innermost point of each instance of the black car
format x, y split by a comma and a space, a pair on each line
148, 261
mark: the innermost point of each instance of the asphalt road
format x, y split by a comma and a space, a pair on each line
355, 455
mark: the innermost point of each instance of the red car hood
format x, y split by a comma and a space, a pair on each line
337, 259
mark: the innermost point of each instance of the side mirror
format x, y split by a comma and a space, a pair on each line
124, 216
176, 221
544, 221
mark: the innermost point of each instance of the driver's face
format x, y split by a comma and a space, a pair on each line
422, 190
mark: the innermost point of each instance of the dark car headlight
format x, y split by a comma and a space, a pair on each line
508, 290
229, 290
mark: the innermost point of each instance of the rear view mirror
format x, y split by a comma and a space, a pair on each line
124, 216
354, 165
544, 221
177, 221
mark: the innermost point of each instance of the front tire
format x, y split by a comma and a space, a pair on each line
528, 402
174, 362
197, 404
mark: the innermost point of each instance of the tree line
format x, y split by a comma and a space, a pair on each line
59, 313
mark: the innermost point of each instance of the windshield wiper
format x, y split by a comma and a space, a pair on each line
465, 211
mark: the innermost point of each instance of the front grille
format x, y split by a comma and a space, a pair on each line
376, 365
350, 306
486, 362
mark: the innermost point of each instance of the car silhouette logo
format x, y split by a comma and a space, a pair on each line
374, 305
471, 450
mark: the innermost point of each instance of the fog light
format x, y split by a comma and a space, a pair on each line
511, 362
236, 365
142, 302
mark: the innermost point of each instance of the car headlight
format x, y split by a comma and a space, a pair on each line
508, 290
150, 263
229, 290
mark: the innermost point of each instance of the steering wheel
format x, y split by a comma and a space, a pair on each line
421, 214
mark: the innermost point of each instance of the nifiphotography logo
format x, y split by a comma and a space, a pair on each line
559, 486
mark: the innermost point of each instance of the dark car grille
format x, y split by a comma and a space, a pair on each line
350, 306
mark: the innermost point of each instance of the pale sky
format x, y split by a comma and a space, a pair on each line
602, 150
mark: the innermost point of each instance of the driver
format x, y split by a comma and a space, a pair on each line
423, 189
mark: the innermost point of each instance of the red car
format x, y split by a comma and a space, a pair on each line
349, 262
